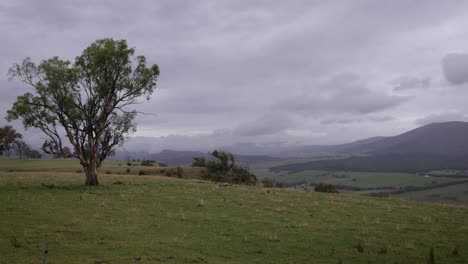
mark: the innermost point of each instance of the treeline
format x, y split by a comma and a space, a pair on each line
412, 163
11, 140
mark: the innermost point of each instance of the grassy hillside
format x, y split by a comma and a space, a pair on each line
152, 219
419, 187
388, 163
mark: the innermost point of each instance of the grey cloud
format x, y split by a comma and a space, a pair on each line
443, 117
271, 123
341, 96
224, 63
455, 68
408, 82
352, 120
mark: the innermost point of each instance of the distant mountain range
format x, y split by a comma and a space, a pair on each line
174, 157
434, 146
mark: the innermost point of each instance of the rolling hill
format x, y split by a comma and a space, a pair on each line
430, 147
447, 139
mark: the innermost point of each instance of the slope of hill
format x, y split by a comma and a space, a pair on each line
431, 147
414, 163
151, 219
448, 139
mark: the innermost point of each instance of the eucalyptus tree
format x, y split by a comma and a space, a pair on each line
87, 103
8, 136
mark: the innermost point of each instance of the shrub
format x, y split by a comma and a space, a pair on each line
129, 164
108, 172
225, 169
128, 170
199, 162
160, 164
142, 172
179, 172
325, 187
147, 163
15, 243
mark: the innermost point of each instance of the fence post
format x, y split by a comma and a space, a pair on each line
44, 253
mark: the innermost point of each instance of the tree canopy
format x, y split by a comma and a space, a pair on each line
86, 103
8, 136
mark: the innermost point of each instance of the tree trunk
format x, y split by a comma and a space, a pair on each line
91, 173
91, 178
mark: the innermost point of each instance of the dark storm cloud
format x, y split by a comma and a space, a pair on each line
455, 67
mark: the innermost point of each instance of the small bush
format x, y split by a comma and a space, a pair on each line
128, 170
169, 173
147, 163
160, 164
129, 164
199, 162
142, 172
15, 243
179, 172
108, 172
325, 187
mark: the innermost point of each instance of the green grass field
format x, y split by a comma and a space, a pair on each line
363, 179
391, 181
457, 194
154, 219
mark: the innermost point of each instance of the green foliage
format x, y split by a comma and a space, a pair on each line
8, 136
90, 99
21, 148
225, 169
325, 187
179, 172
34, 154
169, 173
199, 162
66, 153
147, 163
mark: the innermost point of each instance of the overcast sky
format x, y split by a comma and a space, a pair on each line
268, 72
